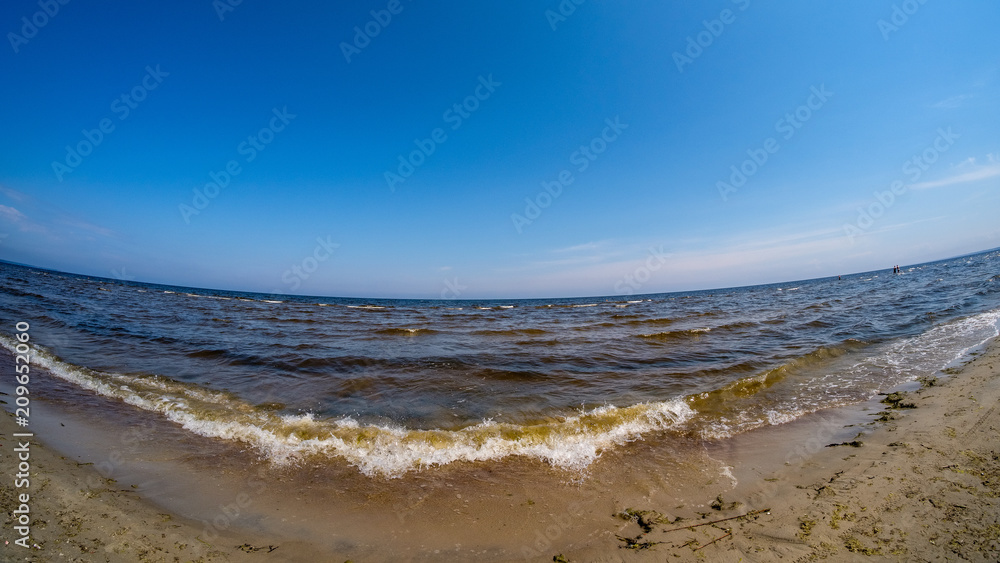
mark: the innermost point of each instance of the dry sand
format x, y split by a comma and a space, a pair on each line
921, 484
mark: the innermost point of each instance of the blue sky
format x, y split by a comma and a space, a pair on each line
644, 109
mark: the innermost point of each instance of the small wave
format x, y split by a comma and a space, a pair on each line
293, 320
493, 374
271, 301
737, 325
674, 334
208, 353
365, 307
18, 293
655, 321
512, 332
570, 442
712, 313
749, 386
405, 331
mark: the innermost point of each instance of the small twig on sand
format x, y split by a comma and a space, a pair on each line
751, 513
715, 540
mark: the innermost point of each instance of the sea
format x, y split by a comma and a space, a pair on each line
390, 387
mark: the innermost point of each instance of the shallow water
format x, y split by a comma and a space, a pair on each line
394, 386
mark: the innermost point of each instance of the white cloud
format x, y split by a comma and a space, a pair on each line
11, 214
85, 226
973, 176
585, 246
952, 102
13, 194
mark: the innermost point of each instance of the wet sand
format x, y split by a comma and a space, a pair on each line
915, 479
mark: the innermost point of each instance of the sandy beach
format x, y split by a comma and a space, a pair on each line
498, 282
912, 476
919, 483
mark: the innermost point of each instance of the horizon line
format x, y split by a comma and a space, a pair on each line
210, 289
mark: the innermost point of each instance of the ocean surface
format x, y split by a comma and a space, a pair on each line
395, 386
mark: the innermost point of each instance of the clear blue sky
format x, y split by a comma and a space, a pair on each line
180, 90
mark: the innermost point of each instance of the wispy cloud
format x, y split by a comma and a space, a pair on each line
898, 226
591, 246
40, 216
971, 161
972, 176
11, 214
595, 252
13, 194
20, 220
82, 225
952, 102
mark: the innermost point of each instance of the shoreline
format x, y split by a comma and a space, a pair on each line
77, 514
921, 482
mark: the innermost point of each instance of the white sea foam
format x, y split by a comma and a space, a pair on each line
570, 442
936, 349
859, 379
573, 441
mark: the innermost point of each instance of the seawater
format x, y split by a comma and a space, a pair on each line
397, 386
